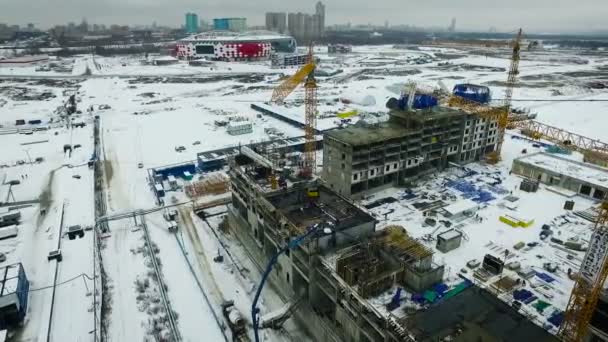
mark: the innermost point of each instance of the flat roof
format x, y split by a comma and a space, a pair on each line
363, 135
471, 311
450, 234
247, 36
329, 207
591, 174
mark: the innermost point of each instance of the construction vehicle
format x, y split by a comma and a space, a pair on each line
305, 75
236, 323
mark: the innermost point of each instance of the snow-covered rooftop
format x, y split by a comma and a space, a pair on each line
586, 172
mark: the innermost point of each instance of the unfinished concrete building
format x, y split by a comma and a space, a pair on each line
331, 274
598, 327
364, 158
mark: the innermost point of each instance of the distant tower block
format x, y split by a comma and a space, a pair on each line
452, 27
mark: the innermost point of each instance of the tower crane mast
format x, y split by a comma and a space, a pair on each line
305, 75
503, 118
589, 282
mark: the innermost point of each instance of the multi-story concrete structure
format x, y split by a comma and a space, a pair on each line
366, 158
334, 272
276, 21
598, 328
191, 23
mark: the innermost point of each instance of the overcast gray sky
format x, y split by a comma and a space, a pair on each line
505, 15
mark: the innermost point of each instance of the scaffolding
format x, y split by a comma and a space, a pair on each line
215, 184
401, 245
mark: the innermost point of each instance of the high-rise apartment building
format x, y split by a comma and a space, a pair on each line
307, 27
320, 12
276, 21
191, 23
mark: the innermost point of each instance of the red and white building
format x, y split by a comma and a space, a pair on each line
220, 45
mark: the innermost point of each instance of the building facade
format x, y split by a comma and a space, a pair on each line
191, 23
362, 159
230, 24
225, 45
276, 21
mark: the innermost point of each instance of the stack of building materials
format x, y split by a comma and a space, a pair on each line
214, 184
516, 221
528, 185
239, 127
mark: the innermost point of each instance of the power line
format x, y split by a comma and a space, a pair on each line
556, 100
84, 275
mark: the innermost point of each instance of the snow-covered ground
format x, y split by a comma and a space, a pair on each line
150, 110
64, 185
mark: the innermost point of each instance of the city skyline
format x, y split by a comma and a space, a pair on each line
473, 15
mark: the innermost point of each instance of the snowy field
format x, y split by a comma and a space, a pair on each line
146, 111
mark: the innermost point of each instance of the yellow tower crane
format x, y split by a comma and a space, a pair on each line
589, 282
305, 74
503, 119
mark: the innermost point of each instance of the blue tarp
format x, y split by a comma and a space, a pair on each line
530, 300
440, 288
418, 298
556, 318
470, 191
522, 295
545, 277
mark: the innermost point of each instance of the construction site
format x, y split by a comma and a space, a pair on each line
433, 192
